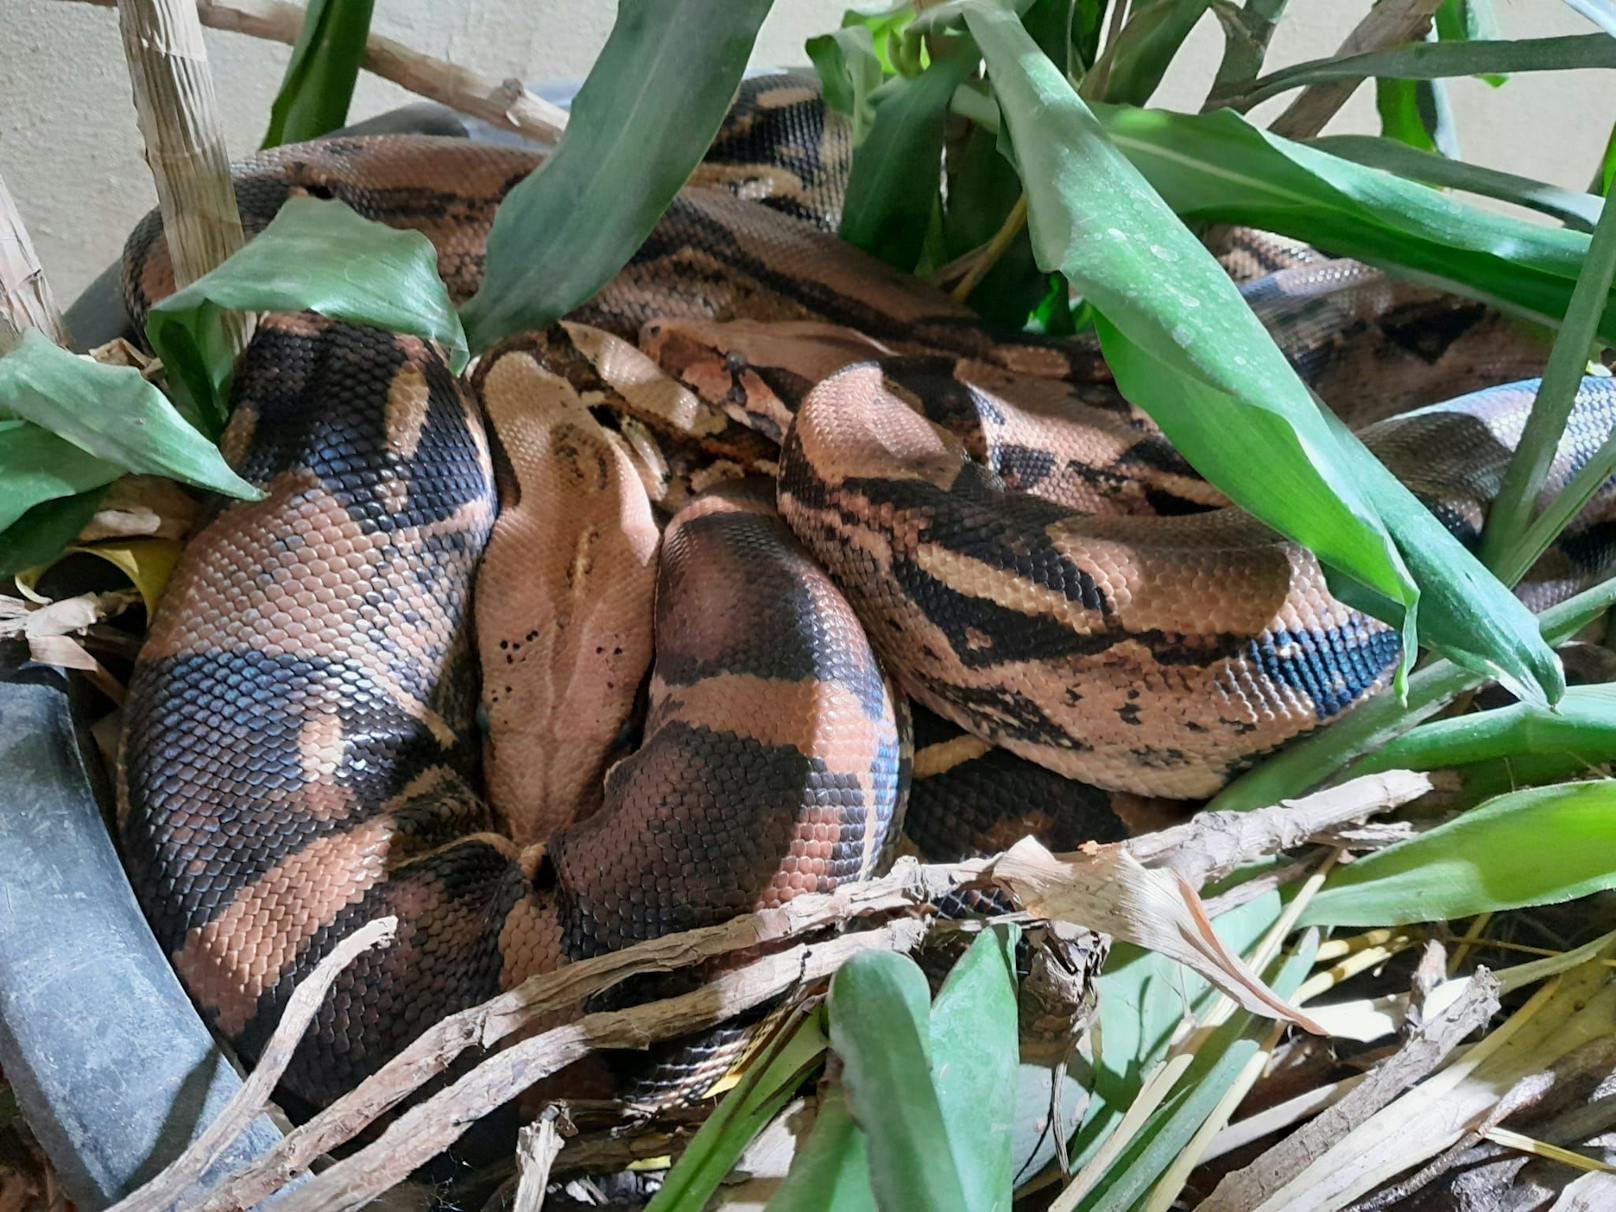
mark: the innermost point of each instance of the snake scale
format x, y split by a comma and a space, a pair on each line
503, 658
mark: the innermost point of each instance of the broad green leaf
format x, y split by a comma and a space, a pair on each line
1218, 168
899, 51
1577, 211
319, 80
642, 121
1147, 44
1328, 753
983, 189
1535, 847
110, 413
879, 1007
897, 170
36, 467
1411, 115
1582, 726
974, 1050
1503, 545
1465, 612
1169, 1129
315, 255
40, 534
849, 71
830, 1172
1437, 61
742, 1113
1093, 218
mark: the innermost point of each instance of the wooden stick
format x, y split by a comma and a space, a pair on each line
536, 1149
505, 103
430, 1127
185, 149
25, 296
1389, 23
486, 1025
183, 1172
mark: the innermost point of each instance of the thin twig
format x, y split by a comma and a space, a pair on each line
25, 296
505, 103
994, 249
1389, 23
430, 1127
536, 1148
184, 1171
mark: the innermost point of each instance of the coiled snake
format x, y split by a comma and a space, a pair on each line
978, 524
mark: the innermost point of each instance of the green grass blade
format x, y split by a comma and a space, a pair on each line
1137, 61
1607, 167
638, 127
742, 1113
1535, 847
319, 80
831, 1170
110, 413
1094, 219
317, 256
879, 1008
1576, 210
1218, 168
894, 181
1436, 61
974, 1052
1328, 752
1471, 21
1511, 513
1198, 1093
40, 534
1582, 726
1247, 32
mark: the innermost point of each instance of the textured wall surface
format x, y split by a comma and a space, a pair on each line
70, 152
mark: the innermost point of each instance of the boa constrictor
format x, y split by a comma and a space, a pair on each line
977, 523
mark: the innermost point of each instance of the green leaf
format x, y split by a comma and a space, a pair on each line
1582, 725
1403, 116
830, 1172
1177, 335
982, 190
1511, 544
879, 1006
314, 256
319, 80
1436, 61
1327, 753
1465, 612
1577, 211
40, 534
1470, 21
849, 71
1169, 1129
1607, 167
897, 171
642, 121
768, 1085
36, 466
1218, 168
974, 1050
109, 413
1147, 44
1535, 847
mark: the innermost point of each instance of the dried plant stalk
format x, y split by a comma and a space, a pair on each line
503, 103
25, 296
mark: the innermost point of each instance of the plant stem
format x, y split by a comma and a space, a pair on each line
25, 296
1512, 542
993, 249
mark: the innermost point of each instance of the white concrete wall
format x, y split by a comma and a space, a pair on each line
70, 152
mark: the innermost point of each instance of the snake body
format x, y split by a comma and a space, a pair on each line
981, 521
